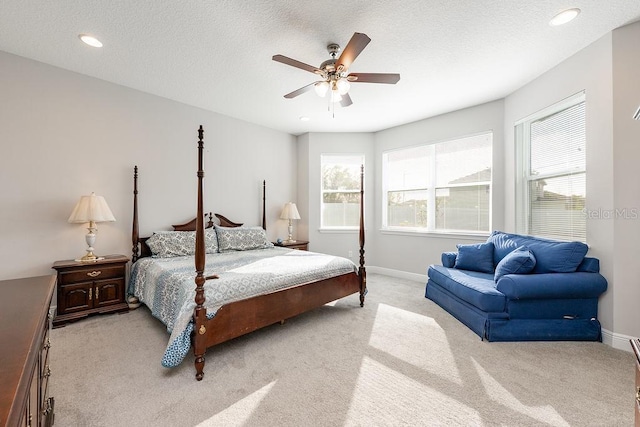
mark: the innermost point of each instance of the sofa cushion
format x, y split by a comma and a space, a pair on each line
552, 256
519, 261
478, 289
477, 257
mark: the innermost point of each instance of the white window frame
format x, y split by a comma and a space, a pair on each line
336, 228
431, 194
523, 159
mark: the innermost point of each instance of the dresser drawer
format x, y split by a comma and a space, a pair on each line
91, 273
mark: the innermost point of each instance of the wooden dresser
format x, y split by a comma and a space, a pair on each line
24, 353
635, 344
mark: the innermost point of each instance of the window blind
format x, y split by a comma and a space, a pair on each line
555, 177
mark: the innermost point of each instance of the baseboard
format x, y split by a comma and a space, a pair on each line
619, 341
612, 339
398, 273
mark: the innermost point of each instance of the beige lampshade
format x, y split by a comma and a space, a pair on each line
290, 211
91, 208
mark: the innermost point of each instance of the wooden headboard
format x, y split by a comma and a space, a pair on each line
140, 249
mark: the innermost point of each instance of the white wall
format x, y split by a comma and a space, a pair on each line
311, 147
413, 253
626, 180
63, 135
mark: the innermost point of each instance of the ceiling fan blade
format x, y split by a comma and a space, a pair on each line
374, 78
289, 61
356, 45
300, 91
346, 100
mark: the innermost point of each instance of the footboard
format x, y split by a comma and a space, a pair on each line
242, 317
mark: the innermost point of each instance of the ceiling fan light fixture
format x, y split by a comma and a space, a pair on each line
321, 88
335, 96
343, 86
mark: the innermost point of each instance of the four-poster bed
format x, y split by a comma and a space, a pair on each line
298, 281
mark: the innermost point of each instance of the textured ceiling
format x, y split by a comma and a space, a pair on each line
216, 54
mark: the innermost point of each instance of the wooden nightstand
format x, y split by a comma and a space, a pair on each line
86, 288
301, 245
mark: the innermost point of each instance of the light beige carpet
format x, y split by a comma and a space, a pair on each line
400, 360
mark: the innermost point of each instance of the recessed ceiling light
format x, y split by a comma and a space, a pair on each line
304, 118
90, 40
564, 17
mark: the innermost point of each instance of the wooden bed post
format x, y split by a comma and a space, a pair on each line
362, 272
200, 313
134, 230
264, 204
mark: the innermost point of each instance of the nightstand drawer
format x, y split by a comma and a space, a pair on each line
91, 273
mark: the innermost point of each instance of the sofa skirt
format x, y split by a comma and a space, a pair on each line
498, 326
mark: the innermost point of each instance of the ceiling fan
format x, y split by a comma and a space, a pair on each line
334, 73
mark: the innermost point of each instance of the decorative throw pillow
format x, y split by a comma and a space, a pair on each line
241, 238
519, 261
166, 244
210, 241
477, 257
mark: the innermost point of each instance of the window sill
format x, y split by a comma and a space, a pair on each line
339, 230
439, 234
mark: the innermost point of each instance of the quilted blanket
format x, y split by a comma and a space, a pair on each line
167, 287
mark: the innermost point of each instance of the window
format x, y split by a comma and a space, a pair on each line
439, 187
341, 190
551, 193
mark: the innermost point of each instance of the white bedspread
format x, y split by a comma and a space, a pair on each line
167, 286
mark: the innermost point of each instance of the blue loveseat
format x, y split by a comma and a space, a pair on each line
521, 288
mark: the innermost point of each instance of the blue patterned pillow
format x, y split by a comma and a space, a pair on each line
241, 238
210, 241
167, 244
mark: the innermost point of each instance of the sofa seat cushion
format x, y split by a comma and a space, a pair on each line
552, 256
478, 289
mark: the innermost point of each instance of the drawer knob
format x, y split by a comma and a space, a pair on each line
94, 273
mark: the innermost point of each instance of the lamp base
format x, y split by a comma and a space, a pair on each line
290, 241
89, 257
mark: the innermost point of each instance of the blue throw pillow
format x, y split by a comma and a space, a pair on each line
519, 261
478, 257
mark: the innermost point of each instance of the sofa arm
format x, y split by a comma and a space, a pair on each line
449, 259
552, 285
589, 265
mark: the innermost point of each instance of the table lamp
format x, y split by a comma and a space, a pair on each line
91, 209
290, 212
